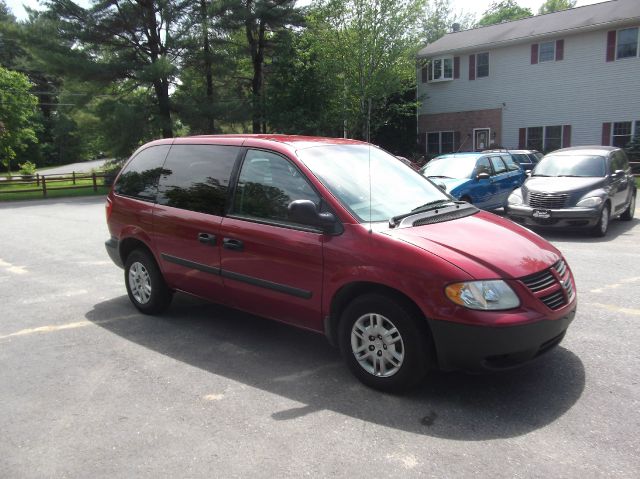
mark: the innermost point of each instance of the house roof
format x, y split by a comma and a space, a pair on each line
590, 17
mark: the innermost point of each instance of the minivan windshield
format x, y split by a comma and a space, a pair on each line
370, 182
450, 167
571, 165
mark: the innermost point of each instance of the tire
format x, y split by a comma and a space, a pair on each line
631, 209
146, 287
601, 228
394, 361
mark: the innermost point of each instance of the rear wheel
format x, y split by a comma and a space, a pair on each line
383, 342
630, 211
601, 228
146, 287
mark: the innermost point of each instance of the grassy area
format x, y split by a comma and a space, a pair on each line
15, 192
638, 181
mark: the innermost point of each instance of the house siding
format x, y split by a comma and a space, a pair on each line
582, 90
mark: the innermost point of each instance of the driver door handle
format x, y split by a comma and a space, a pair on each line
232, 244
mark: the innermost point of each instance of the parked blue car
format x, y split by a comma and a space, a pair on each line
483, 179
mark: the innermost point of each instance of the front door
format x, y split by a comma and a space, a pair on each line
481, 139
272, 266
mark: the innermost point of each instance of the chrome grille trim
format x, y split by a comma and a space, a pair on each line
547, 200
557, 279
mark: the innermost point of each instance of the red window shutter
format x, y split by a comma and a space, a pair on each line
606, 134
559, 50
534, 53
611, 45
425, 71
472, 67
522, 138
456, 67
566, 136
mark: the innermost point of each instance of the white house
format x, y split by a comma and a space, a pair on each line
562, 79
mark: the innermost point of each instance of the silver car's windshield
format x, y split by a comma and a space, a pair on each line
571, 165
450, 167
370, 182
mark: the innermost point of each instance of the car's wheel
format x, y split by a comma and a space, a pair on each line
630, 211
601, 228
384, 342
146, 287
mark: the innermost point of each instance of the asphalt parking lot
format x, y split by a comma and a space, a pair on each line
91, 388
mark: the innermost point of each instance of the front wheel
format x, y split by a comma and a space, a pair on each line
601, 228
630, 211
383, 342
146, 287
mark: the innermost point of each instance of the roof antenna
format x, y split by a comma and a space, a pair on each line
369, 147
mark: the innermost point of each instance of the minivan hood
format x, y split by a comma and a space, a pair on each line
484, 245
562, 184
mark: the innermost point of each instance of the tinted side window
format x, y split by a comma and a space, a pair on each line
498, 165
196, 177
139, 179
619, 161
266, 186
483, 166
511, 165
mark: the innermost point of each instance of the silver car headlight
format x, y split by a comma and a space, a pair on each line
515, 198
591, 202
483, 295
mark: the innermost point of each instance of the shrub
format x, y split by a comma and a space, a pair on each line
27, 168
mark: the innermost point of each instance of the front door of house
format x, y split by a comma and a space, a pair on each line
481, 139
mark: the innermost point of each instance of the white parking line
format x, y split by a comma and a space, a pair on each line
61, 327
12, 268
616, 309
616, 285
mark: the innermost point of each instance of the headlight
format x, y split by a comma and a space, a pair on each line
591, 202
483, 295
515, 198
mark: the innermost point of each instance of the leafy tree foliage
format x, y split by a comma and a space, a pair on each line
504, 11
17, 109
439, 18
551, 6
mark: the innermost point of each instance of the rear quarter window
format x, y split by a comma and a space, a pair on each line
139, 178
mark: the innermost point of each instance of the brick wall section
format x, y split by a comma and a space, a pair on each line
464, 122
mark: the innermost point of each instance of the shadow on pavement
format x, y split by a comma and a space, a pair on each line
301, 366
617, 228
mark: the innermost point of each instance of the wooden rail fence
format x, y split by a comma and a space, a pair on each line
46, 183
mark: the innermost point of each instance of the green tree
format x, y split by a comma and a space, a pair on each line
504, 11
17, 109
368, 47
439, 19
260, 20
551, 6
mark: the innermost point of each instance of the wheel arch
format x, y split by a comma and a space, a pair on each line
349, 292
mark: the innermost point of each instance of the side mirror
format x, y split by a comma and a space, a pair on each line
442, 186
306, 212
483, 176
618, 173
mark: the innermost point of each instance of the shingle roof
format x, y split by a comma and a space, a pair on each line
599, 15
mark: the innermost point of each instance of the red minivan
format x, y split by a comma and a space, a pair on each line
338, 237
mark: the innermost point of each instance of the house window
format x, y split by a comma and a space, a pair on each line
441, 69
440, 142
627, 44
482, 65
621, 134
552, 138
545, 138
547, 52
534, 138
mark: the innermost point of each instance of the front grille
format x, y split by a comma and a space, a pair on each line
547, 200
553, 286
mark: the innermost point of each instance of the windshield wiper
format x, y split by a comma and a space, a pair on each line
570, 176
540, 175
438, 176
431, 205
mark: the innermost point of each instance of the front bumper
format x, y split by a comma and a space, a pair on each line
112, 249
484, 348
559, 218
